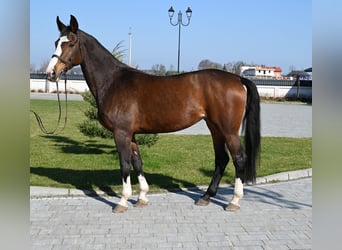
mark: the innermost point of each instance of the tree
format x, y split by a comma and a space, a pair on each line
43, 66
159, 69
118, 52
207, 64
237, 67
171, 71
292, 68
234, 67
33, 68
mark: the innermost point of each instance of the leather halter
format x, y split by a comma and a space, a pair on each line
68, 61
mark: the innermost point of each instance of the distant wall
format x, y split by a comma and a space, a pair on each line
45, 86
266, 87
273, 88
284, 91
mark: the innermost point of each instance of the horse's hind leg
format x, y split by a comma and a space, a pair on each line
221, 161
239, 159
137, 165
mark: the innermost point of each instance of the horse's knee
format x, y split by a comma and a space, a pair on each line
135, 150
136, 159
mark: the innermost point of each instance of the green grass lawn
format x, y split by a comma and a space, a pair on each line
70, 159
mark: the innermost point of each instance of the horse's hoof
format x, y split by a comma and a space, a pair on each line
202, 202
232, 207
141, 203
119, 209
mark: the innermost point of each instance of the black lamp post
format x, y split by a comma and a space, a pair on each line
179, 23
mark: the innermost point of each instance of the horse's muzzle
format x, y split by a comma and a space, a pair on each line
53, 76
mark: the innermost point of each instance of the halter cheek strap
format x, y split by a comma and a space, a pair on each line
67, 62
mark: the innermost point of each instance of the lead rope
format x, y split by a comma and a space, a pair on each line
39, 119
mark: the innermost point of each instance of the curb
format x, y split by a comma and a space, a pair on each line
49, 192
285, 176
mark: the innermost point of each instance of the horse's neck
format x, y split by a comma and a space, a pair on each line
99, 66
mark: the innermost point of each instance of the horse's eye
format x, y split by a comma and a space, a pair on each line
71, 45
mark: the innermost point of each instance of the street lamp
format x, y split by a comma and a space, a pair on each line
179, 23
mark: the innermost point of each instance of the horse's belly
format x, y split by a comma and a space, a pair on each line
164, 123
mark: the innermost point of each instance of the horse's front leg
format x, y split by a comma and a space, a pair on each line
137, 164
123, 144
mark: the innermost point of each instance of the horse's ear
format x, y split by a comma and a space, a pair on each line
73, 24
60, 25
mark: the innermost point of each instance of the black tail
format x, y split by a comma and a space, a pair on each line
251, 124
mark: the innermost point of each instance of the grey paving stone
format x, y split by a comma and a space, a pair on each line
271, 215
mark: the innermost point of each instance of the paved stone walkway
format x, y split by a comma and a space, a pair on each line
272, 216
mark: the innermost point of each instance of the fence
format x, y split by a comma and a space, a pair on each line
270, 88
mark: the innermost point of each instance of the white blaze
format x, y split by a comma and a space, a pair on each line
58, 52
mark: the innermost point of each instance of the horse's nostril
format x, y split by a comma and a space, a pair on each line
51, 75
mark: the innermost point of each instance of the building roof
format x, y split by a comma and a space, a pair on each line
276, 69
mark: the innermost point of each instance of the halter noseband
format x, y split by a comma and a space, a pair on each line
67, 63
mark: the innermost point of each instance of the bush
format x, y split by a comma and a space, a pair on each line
92, 128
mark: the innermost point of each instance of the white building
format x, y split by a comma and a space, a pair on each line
261, 71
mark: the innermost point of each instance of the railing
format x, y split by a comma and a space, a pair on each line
69, 76
281, 82
257, 81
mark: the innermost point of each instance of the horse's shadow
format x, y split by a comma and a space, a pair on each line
257, 193
70, 146
86, 180
264, 195
92, 181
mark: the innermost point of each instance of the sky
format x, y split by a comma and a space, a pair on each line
265, 32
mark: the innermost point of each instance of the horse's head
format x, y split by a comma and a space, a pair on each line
67, 54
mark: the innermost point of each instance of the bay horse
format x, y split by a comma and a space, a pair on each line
130, 102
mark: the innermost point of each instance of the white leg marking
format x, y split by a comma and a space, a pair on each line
238, 192
58, 52
143, 188
126, 192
